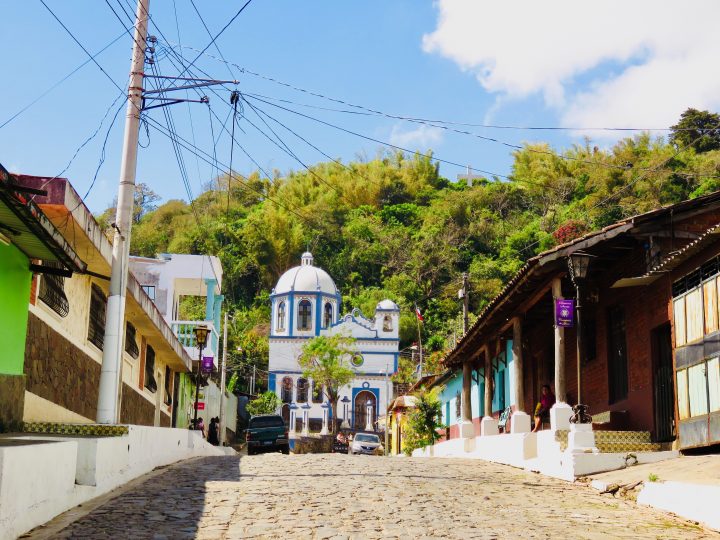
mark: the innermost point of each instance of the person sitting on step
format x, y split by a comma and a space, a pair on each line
542, 409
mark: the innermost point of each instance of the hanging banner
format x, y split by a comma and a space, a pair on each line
207, 364
564, 312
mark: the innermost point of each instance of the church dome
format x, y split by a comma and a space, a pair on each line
306, 278
387, 305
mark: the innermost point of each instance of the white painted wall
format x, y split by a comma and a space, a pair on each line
41, 478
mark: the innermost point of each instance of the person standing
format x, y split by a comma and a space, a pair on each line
213, 432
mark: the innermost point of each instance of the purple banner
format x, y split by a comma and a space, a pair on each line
207, 364
565, 312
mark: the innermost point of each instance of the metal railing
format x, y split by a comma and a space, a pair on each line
185, 332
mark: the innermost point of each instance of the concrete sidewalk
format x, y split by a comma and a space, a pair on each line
688, 486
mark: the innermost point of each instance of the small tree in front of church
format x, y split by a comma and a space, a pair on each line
325, 360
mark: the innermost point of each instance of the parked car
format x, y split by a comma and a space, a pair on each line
267, 433
366, 443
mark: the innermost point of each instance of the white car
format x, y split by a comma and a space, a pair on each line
366, 443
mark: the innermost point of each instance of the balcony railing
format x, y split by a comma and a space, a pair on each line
185, 332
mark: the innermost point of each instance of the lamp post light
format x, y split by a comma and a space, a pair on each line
578, 263
201, 335
345, 423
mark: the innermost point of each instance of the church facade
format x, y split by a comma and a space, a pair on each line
307, 303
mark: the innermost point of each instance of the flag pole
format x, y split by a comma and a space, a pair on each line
419, 319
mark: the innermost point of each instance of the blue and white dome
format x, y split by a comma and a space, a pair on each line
306, 278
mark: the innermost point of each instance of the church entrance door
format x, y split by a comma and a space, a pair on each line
285, 412
362, 400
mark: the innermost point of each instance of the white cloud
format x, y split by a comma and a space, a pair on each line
655, 57
422, 138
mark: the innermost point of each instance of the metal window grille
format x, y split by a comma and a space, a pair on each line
281, 316
458, 406
305, 315
52, 292
286, 390
131, 346
617, 355
150, 382
96, 323
302, 390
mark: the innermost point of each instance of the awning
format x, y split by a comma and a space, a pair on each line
24, 224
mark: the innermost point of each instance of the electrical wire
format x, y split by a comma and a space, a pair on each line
59, 82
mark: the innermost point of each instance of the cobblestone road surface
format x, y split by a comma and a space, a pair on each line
339, 496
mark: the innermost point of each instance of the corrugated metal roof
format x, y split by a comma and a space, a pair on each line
30, 230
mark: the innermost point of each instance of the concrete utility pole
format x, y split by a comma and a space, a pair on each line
387, 413
465, 302
110, 375
222, 382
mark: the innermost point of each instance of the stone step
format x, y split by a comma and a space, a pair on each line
90, 430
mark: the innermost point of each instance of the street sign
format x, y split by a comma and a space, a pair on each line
207, 364
565, 312
200, 406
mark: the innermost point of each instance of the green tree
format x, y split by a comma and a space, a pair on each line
266, 403
324, 359
698, 129
423, 421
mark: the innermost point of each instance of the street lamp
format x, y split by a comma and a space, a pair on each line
201, 335
578, 264
345, 423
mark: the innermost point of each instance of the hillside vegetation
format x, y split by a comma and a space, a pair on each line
394, 227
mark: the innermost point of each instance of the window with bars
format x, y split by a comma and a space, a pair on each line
150, 382
302, 390
131, 346
168, 378
617, 355
52, 291
96, 322
304, 315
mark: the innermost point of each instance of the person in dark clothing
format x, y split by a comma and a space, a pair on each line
213, 432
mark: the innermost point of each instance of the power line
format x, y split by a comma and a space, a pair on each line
212, 41
58, 83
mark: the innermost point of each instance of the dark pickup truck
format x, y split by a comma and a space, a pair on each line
267, 433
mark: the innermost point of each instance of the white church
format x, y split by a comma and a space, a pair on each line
306, 303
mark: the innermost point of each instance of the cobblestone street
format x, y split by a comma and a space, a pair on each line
339, 496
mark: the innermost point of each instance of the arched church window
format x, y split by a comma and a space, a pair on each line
327, 320
317, 393
302, 390
286, 390
281, 316
304, 315
387, 324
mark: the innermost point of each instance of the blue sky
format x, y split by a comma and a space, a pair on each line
456, 60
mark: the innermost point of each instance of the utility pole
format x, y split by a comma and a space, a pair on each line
252, 392
222, 382
466, 302
387, 413
110, 375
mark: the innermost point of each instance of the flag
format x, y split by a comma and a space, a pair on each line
419, 315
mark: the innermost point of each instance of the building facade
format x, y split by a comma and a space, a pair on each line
66, 323
29, 245
187, 290
306, 303
650, 335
